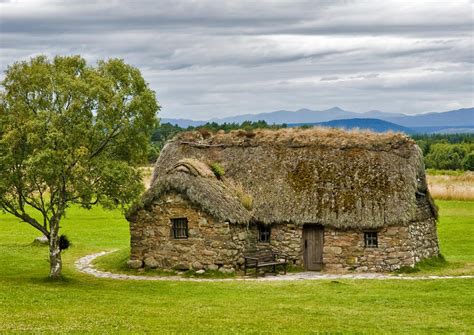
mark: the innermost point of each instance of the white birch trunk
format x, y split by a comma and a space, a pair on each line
55, 262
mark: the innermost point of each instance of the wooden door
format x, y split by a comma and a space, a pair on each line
313, 238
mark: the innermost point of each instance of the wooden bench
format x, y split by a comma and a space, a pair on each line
264, 258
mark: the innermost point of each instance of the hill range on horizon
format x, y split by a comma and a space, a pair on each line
460, 120
375, 125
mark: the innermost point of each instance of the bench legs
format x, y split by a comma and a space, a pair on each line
285, 265
256, 272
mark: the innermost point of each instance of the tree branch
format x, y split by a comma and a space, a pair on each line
24, 217
106, 141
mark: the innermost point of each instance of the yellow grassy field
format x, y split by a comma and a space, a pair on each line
444, 187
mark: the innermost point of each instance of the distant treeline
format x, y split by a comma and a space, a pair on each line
447, 151
440, 151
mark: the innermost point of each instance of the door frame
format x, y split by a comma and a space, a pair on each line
317, 229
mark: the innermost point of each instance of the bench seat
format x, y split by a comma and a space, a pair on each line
264, 258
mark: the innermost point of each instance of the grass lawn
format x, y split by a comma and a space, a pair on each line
81, 303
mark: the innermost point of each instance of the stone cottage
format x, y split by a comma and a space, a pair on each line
329, 199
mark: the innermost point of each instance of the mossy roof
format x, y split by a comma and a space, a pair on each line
336, 178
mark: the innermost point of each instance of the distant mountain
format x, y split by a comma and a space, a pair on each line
459, 117
283, 116
302, 116
376, 125
431, 122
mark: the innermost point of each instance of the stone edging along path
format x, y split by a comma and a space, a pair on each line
84, 265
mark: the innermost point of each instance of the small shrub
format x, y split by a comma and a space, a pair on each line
217, 169
245, 198
247, 201
64, 242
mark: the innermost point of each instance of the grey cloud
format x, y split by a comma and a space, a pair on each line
231, 57
244, 17
330, 78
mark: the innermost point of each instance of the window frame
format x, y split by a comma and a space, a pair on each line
178, 227
371, 241
264, 230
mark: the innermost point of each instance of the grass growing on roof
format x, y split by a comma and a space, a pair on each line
247, 201
81, 303
218, 170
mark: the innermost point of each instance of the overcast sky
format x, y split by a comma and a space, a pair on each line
220, 58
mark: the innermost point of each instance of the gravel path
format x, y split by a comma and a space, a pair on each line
84, 265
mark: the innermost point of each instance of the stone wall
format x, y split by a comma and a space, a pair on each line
210, 245
344, 250
287, 239
398, 246
424, 238
219, 245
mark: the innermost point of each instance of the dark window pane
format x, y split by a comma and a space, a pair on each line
179, 228
264, 233
370, 239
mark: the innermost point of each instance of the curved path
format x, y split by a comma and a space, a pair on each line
84, 265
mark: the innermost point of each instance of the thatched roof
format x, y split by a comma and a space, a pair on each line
193, 167
322, 176
194, 180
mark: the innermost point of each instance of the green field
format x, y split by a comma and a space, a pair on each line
31, 303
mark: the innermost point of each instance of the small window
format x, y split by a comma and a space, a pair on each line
370, 239
179, 228
264, 233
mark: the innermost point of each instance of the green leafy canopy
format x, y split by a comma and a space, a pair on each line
71, 133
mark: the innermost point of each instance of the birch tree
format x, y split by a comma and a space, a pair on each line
71, 134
